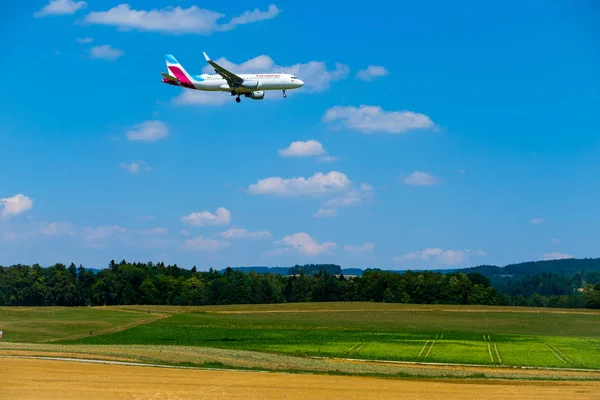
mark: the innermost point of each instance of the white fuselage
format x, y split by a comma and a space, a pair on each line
252, 82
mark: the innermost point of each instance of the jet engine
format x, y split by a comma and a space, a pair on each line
249, 84
256, 95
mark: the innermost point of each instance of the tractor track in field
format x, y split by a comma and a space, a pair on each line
497, 353
356, 348
492, 348
423, 349
430, 346
558, 354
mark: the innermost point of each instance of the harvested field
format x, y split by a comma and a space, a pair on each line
28, 379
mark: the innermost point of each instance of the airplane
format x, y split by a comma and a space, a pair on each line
248, 85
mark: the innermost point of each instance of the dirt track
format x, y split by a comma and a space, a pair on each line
35, 379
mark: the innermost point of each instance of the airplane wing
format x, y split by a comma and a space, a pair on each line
230, 77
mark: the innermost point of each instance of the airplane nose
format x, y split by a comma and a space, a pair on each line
300, 83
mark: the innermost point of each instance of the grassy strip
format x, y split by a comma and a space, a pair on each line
233, 359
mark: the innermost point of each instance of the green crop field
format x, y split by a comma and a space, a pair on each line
390, 332
44, 324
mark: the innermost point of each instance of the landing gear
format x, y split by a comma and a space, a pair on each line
284, 95
237, 99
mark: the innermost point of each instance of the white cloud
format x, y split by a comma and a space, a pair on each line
148, 131
537, 221
447, 257
115, 235
12, 236
176, 20
221, 217
60, 7
133, 168
325, 213
419, 178
373, 119
315, 74
145, 217
15, 205
105, 52
153, 231
197, 97
365, 248
99, 236
240, 233
306, 245
249, 17
452, 257
102, 232
319, 183
84, 40
136, 167
416, 255
326, 158
557, 256
21, 231
371, 73
203, 243
57, 229
460, 171
555, 240
352, 198
308, 148
90, 237
184, 232
303, 149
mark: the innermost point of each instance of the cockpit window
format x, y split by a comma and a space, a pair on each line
293, 77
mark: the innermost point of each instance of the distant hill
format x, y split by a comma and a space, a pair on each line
262, 270
562, 267
308, 269
566, 267
352, 271
93, 270
312, 269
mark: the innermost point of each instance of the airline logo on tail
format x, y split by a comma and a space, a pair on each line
178, 72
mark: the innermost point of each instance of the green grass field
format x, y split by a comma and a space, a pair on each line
45, 324
391, 332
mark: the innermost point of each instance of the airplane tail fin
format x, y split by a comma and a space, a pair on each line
177, 71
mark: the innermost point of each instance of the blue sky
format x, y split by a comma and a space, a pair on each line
427, 135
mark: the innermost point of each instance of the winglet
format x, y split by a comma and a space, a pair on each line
206, 56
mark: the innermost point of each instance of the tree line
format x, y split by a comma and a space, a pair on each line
147, 283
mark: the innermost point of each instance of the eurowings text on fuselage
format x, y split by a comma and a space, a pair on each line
249, 85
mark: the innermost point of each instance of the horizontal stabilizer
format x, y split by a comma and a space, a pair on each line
169, 77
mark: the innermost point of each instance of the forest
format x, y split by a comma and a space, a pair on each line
147, 283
